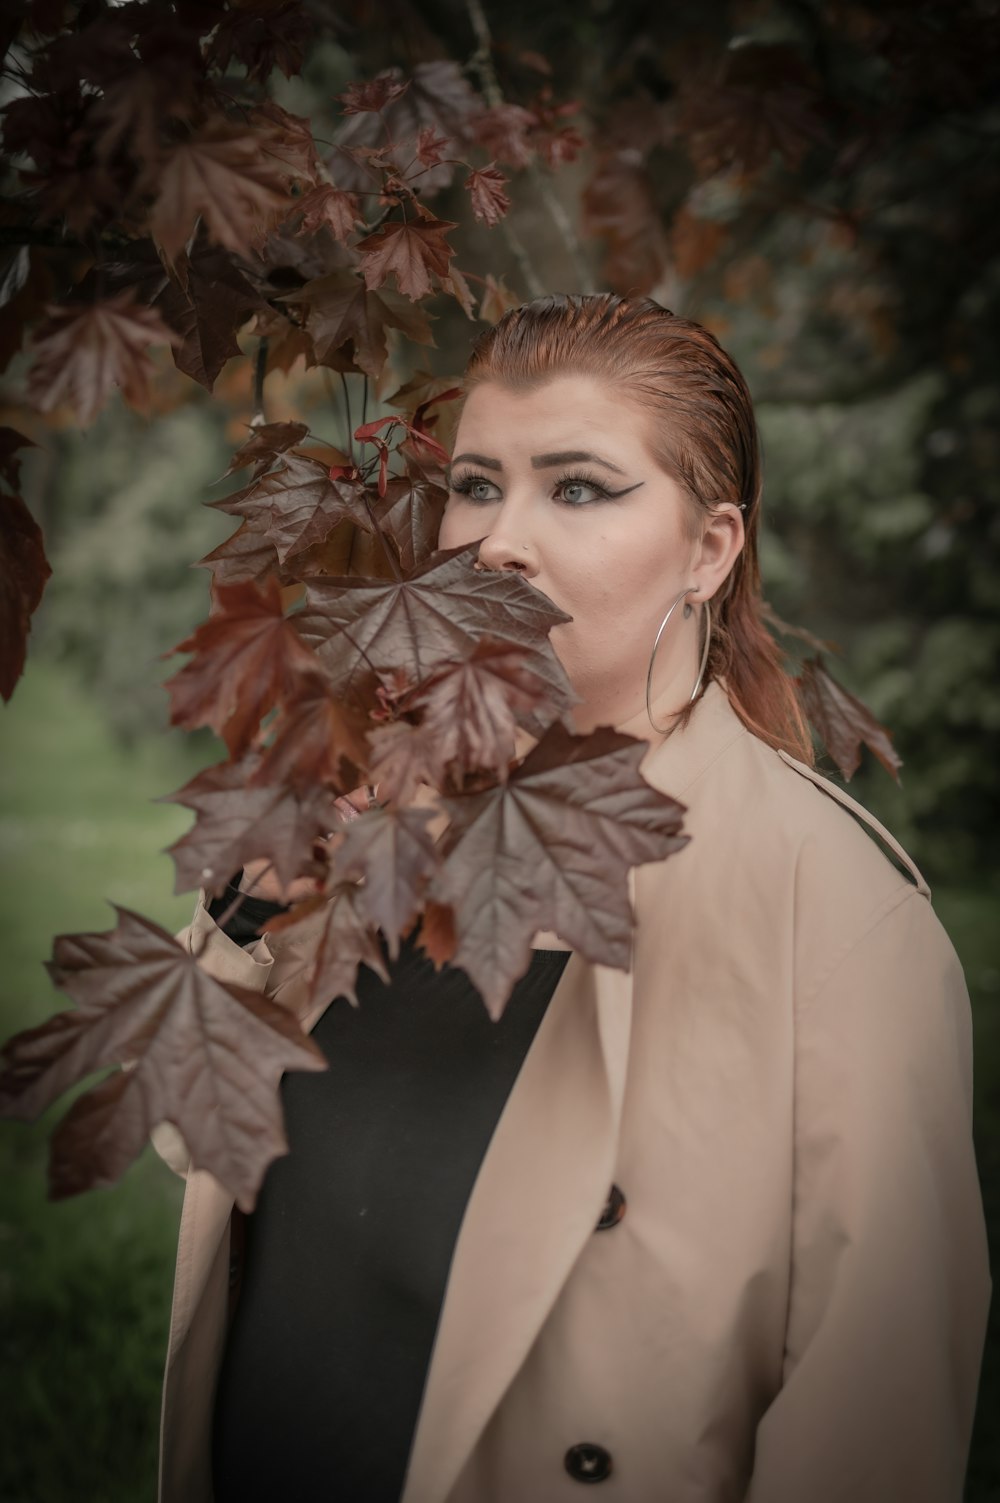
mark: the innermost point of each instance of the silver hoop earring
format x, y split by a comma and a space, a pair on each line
688, 608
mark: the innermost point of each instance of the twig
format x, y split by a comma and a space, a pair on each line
347, 408
259, 372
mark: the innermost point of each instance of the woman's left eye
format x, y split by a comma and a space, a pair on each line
567, 483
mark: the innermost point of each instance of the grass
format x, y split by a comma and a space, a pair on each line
85, 1287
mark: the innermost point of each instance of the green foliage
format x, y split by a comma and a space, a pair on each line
864, 543
125, 521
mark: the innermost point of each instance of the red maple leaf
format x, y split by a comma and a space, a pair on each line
204, 1055
247, 658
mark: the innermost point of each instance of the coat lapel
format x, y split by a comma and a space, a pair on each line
545, 1176
537, 1198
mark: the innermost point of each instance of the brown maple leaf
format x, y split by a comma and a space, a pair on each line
330, 206
266, 442
485, 186
497, 298
247, 658
504, 131
433, 116
262, 38
551, 849
82, 351
331, 939
390, 852
341, 311
361, 626
472, 706
204, 1055
843, 722
618, 204
206, 299
402, 760
437, 936
301, 503
430, 146
372, 95
317, 740
410, 251
455, 285
230, 177
761, 100
24, 570
411, 512
240, 820
246, 557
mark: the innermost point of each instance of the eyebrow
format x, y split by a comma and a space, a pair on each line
539, 461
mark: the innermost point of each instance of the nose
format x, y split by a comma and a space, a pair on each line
505, 550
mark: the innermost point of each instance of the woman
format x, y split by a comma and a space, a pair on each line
719, 1235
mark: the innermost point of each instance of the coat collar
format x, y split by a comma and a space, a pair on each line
546, 1173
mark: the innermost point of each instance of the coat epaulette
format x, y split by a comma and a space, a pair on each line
894, 850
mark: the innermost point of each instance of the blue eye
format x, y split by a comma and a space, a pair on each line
575, 482
468, 485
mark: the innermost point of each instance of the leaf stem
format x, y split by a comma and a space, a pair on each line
347, 408
259, 372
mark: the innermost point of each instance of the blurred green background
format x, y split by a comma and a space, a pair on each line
863, 324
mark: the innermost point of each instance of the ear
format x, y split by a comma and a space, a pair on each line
722, 538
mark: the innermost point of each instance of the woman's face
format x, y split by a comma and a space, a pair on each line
560, 485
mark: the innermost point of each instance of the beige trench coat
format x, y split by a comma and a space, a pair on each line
792, 1308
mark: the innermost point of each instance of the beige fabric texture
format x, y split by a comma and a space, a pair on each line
793, 1307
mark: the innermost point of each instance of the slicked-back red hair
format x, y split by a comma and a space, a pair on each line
703, 434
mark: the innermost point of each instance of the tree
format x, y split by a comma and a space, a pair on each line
168, 201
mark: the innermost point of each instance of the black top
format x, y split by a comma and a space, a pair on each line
347, 1254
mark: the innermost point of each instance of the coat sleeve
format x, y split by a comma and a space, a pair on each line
890, 1283
223, 958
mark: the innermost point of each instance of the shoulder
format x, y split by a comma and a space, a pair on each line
784, 858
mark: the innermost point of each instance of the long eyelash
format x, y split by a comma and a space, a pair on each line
463, 485
580, 477
467, 481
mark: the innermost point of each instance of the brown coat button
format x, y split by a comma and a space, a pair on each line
588, 1463
614, 1210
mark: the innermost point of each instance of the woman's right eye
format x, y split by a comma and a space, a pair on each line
470, 486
